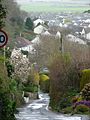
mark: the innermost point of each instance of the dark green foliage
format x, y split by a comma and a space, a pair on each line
67, 110
29, 35
18, 23
14, 21
17, 20
16, 88
10, 68
7, 53
10, 88
7, 107
66, 100
1, 51
88, 11
29, 24
30, 88
30, 80
82, 109
13, 85
2, 14
10, 92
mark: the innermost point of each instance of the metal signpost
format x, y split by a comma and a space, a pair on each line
3, 41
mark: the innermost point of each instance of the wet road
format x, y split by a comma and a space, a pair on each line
38, 110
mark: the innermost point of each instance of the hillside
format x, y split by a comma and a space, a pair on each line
58, 7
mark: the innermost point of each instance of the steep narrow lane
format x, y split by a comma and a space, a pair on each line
38, 110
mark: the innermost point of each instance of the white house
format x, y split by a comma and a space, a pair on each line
46, 33
58, 35
65, 25
51, 22
75, 39
64, 20
88, 36
83, 32
36, 40
36, 22
75, 24
89, 25
28, 48
40, 29
87, 33
61, 25
87, 21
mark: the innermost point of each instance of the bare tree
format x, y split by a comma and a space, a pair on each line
45, 49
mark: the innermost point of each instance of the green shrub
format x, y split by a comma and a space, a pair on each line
10, 68
30, 88
2, 59
44, 83
10, 94
54, 104
29, 35
29, 24
7, 107
66, 100
67, 110
88, 11
45, 86
82, 109
7, 53
13, 85
85, 78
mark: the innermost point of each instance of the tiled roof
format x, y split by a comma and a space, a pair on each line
22, 42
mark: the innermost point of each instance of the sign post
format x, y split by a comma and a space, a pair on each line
3, 41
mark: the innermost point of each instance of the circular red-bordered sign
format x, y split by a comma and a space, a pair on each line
3, 38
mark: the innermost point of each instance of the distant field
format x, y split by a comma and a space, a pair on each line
44, 7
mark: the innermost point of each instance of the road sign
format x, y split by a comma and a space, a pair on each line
3, 38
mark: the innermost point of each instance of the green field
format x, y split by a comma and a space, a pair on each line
44, 7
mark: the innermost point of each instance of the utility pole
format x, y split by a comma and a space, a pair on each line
4, 55
61, 44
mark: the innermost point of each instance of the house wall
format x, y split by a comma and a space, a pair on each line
88, 36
